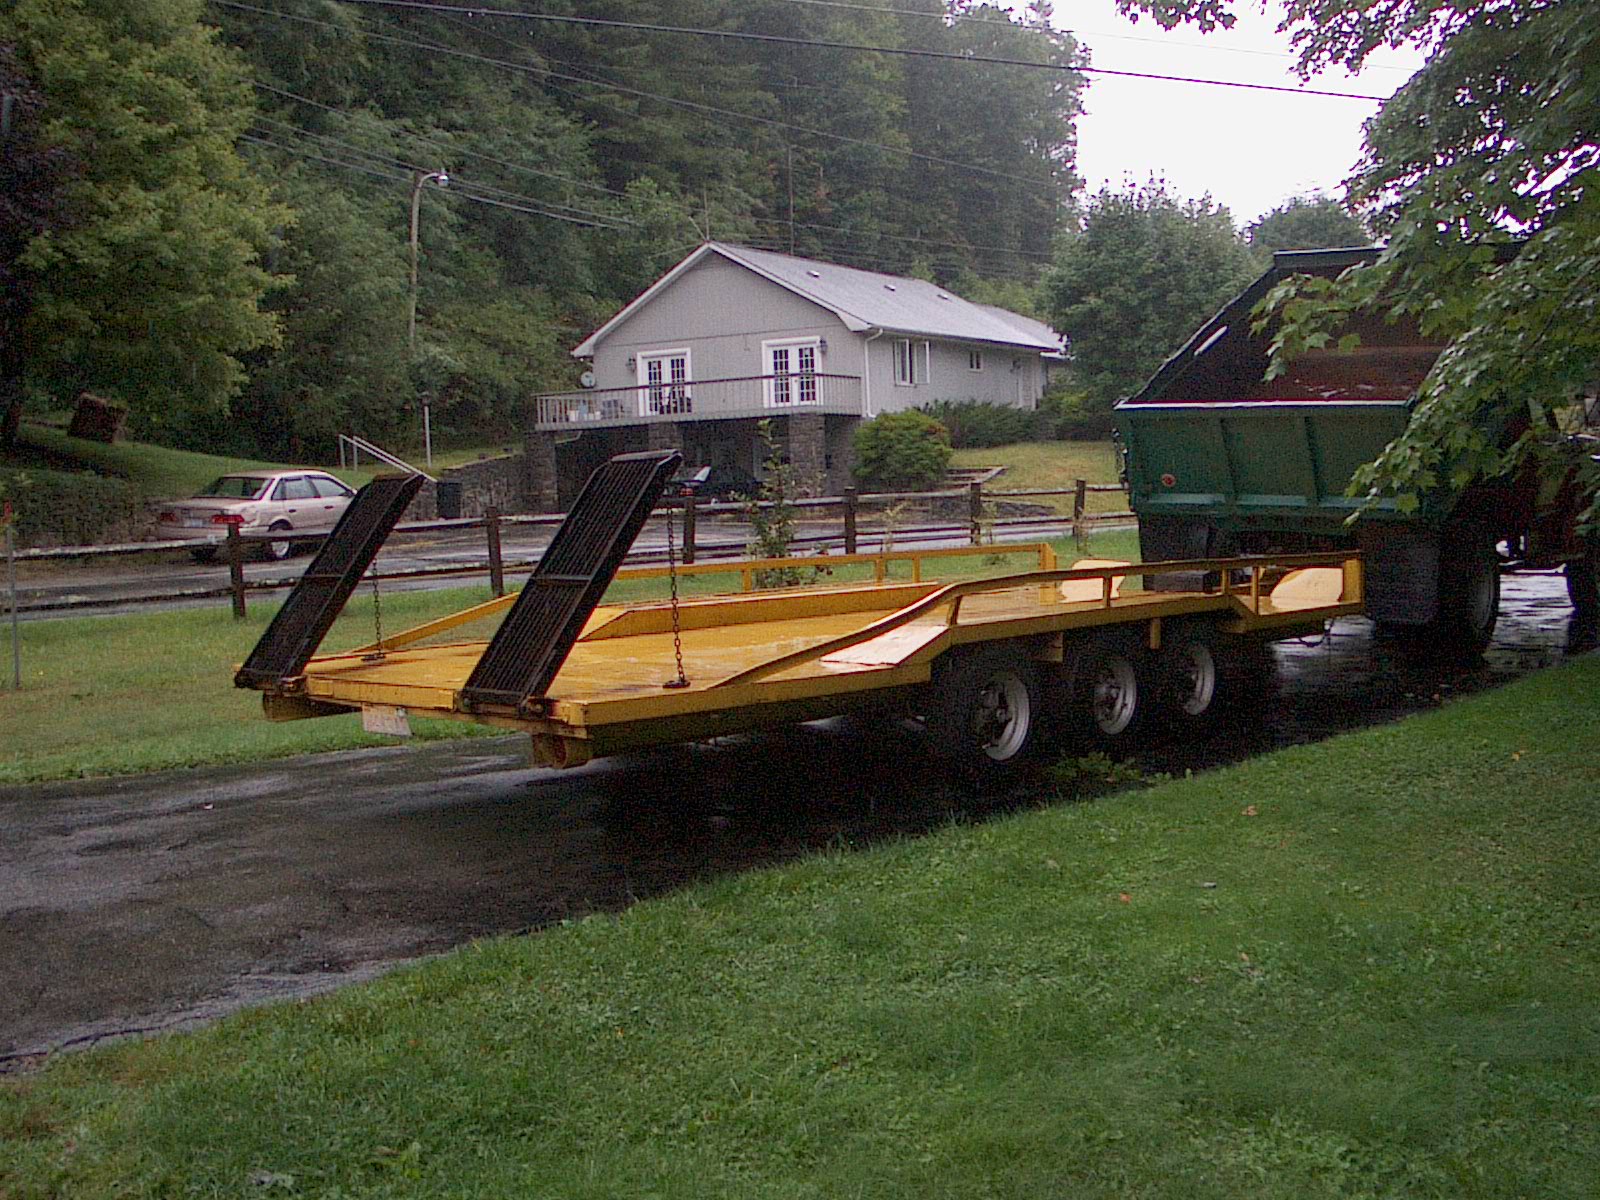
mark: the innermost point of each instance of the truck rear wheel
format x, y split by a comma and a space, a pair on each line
1583, 581
1469, 591
985, 709
1109, 690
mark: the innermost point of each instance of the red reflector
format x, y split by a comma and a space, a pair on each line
227, 519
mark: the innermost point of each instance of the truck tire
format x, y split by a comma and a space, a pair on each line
1110, 686
984, 712
1583, 582
1469, 592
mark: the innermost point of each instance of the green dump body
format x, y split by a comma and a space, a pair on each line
1209, 441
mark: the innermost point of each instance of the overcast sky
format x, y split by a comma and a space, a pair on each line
1250, 150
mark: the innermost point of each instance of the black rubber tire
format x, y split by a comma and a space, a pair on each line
1204, 675
984, 711
1469, 593
204, 554
1583, 582
1111, 688
277, 551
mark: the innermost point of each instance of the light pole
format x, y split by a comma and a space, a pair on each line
417, 180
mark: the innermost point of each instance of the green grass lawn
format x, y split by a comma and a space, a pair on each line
1364, 968
117, 695
1052, 465
155, 472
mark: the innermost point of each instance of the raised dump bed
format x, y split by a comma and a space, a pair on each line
999, 668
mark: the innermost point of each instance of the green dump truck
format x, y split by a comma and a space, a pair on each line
1221, 463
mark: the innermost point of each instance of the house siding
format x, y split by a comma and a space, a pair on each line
948, 376
721, 313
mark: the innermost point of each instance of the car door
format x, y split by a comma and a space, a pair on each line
297, 502
332, 499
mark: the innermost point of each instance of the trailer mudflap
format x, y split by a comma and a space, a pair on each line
573, 574
306, 616
1402, 573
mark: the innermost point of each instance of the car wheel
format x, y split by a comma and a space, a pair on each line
277, 549
984, 710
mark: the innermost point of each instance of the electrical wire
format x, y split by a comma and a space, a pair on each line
531, 69
458, 150
824, 44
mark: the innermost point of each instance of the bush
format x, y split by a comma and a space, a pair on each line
902, 451
1074, 418
978, 424
70, 509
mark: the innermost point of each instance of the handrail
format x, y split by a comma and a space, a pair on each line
360, 444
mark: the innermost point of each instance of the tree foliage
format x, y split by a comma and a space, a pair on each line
152, 289
1144, 270
1481, 175
1313, 222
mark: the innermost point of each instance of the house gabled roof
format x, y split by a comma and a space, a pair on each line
863, 300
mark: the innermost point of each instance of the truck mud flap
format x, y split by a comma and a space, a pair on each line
539, 631
309, 612
1402, 574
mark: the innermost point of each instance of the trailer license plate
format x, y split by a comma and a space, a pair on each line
385, 718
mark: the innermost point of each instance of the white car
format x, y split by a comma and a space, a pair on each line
259, 503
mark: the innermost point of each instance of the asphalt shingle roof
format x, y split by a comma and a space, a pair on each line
866, 300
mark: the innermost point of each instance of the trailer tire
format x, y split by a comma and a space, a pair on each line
1204, 674
1469, 592
1109, 690
985, 709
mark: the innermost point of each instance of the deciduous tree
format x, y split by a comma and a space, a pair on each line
1134, 281
1313, 222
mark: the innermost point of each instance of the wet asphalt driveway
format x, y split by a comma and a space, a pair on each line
139, 904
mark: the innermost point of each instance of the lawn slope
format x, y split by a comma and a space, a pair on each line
1362, 968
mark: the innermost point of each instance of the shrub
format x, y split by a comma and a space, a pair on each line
902, 451
978, 424
71, 509
1074, 418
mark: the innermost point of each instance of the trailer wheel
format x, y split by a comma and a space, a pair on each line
985, 709
1205, 674
1109, 691
1583, 581
1469, 591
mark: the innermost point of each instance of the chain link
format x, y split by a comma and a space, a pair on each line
682, 681
377, 625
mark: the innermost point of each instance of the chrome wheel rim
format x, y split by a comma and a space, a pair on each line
1199, 679
1003, 716
1116, 695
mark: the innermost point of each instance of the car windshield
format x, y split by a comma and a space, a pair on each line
235, 487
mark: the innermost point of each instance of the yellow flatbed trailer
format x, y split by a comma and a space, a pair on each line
999, 667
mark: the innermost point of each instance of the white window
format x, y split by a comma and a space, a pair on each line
910, 362
792, 372
974, 360
664, 389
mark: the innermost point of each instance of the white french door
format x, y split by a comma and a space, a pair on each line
792, 372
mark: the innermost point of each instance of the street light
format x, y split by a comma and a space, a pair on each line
442, 178
421, 177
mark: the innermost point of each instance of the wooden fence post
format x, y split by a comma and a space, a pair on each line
235, 548
1080, 532
691, 502
850, 501
497, 570
975, 511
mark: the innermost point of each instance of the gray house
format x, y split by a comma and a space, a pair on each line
731, 336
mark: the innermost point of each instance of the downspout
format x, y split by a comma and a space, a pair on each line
866, 372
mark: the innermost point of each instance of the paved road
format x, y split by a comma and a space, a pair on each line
153, 902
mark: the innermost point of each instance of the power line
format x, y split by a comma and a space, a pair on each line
410, 166
822, 44
529, 68
434, 142
457, 193
902, 237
